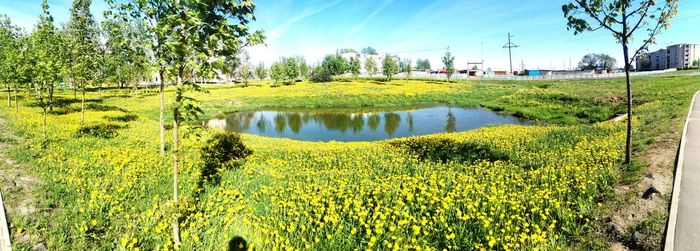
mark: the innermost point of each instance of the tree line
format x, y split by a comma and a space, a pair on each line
179, 40
288, 70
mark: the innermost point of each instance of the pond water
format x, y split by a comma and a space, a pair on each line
360, 125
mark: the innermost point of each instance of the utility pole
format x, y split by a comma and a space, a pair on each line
510, 45
482, 56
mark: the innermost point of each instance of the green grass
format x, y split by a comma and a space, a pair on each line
109, 170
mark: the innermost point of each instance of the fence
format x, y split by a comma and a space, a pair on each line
544, 77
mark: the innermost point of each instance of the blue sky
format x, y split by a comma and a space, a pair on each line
418, 29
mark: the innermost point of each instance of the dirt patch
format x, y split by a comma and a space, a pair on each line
609, 100
17, 184
643, 209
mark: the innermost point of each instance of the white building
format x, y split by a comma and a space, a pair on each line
678, 56
682, 56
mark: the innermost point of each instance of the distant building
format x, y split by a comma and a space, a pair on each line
678, 56
682, 56
363, 57
659, 60
501, 73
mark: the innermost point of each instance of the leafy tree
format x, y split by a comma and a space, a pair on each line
370, 66
234, 64
246, 73
588, 62
335, 64
49, 65
369, 51
201, 31
406, 67
594, 61
153, 15
103, 71
277, 72
193, 38
83, 34
303, 68
9, 35
622, 18
449, 61
354, 66
291, 69
389, 66
423, 64
606, 61
696, 63
261, 71
23, 63
126, 56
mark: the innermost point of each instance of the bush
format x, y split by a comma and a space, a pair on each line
445, 150
99, 130
122, 118
320, 74
222, 151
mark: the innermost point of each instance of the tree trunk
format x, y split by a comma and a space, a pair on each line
162, 112
176, 155
16, 105
43, 106
9, 100
176, 160
99, 90
51, 98
628, 140
82, 106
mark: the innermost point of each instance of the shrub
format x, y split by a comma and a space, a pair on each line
122, 118
222, 151
321, 74
445, 150
99, 130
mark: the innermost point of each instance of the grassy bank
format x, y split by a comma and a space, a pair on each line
502, 187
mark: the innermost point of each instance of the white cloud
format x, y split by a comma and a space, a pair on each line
374, 13
280, 30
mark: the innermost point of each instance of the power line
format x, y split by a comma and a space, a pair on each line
546, 39
510, 45
684, 18
538, 43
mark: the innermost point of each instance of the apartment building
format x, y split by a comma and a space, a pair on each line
682, 56
678, 56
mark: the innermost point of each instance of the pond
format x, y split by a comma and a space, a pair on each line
345, 124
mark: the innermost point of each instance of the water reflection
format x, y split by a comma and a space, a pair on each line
315, 125
451, 124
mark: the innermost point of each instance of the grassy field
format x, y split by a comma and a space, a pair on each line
509, 187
